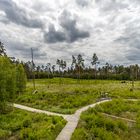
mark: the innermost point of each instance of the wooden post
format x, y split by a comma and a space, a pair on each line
33, 75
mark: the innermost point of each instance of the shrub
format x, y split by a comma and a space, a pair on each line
7, 82
80, 134
4, 134
27, 134
122, 125
20, 78
27, 122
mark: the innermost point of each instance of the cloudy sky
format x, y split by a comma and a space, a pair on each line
62, 28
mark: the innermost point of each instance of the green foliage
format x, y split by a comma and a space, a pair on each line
126, 109
12, 79
7, 79
4, 133
62, 102
138, 120
70, 96
80, 134
95, 125
29, 126
7, 82
20, 78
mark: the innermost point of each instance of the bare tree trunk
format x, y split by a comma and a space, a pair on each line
62, 77
33, 75
48, 79
59, 76
132, 71
133, 85
95, 72
33, 80
78, 77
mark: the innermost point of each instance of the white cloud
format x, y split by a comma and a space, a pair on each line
110, 24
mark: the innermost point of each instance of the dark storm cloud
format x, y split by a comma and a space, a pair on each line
134, 56
53, 36
18, 15
70, 33
130, 39
69, 25
83, 3
22, 48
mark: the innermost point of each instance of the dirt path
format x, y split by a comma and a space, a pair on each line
121, 118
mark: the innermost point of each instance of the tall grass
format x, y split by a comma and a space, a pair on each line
69, 96
23, 125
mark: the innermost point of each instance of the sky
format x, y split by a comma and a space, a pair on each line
58, 29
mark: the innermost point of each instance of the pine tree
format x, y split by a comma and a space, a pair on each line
94, 63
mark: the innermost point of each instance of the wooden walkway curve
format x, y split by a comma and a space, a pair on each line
72, 120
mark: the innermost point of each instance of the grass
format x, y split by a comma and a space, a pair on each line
94, 125
23, 125
69, 96
126, 109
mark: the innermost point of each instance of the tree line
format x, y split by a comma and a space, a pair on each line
78, 70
